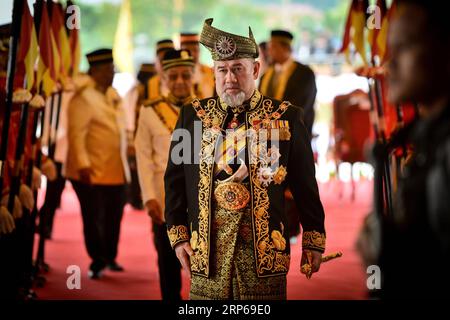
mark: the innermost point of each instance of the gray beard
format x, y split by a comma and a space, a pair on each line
233, 100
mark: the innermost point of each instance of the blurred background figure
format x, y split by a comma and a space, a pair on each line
416, 238
96, 164
156, 123
287, 79
132, 102
264, 58
203, 75
156, 86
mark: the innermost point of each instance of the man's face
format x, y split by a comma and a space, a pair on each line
277, 51
179, 81
416, 67
235, 79
194, 49
103, 74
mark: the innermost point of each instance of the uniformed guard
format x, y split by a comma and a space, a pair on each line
225, 182
203, 75
156, 86
96, 162
132, 103
156, 123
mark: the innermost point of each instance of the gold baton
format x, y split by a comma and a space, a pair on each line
307, 268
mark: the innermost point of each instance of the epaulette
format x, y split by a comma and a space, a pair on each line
152, 102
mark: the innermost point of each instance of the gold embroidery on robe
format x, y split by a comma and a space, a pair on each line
178, 234
313, 240
269, 261
211, 130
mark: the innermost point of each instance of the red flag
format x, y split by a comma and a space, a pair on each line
28, 50
46, 68
45, 43
382, 36
348, 25
66, 57
74, 41
373, 35
57, 23
355, 29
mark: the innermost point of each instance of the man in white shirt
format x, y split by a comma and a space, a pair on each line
156, 122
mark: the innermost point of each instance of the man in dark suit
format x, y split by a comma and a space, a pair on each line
287, 79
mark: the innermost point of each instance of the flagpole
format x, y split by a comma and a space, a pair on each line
39, 264
52, 147
14, 40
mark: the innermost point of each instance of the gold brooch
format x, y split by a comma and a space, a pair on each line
279, 175
232, 195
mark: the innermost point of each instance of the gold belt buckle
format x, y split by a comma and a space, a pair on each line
232, 195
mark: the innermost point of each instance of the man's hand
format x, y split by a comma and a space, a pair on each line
26, 197
85, 175
183, 251
17, 210
313, 259
154, 211
36, 179
49, 170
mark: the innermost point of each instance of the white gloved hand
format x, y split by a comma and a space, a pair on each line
36, 181
26, 197
49, 170
17, 212
7, 224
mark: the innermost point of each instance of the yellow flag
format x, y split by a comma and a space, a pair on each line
30, 59
123, 44
56, 57
43, 75
28, 51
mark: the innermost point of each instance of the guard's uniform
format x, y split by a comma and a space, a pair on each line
97, 140
157, 121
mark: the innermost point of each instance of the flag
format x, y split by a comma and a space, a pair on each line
46, 73
74, 46
60, 34
355, 29
123, 44
54, 41
373, 33
382, 36
28, 49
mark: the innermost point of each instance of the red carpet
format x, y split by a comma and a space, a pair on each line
339, 279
